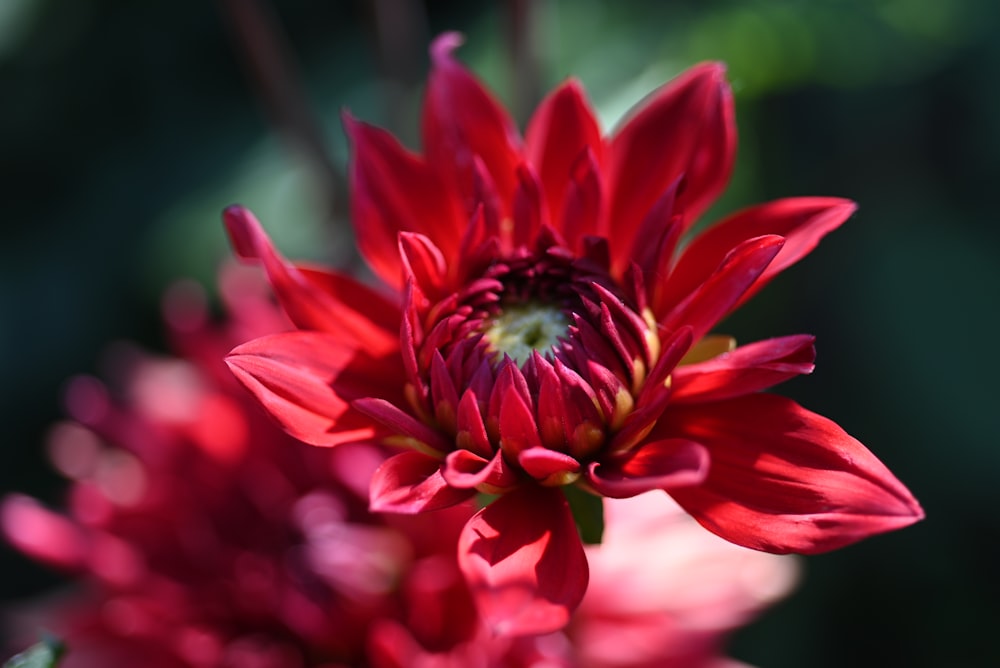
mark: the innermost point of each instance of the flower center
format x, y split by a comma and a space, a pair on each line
522, 328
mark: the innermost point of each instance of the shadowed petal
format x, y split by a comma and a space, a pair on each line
665, 464
524, 562
784, 479
411, 482
802, 221
306, 381
320, 300
750, 368
685, 129
462, 122
392, 191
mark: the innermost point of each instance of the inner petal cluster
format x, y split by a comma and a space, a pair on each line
541, 357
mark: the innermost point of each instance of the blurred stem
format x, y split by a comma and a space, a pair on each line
267, 57
401, 38
523, 51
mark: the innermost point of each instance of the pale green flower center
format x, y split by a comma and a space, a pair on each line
521, 328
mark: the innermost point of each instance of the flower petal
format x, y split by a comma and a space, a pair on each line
323, 301
461, 122
664, 464
524, 562
784, 479
715, 297
750, 368
467, 470
548, 466
392, 191
802, 221
411, 482
562, 129
306, 381
685, 129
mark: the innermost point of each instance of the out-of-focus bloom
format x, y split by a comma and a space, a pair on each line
203, 534
663, 593
547, 324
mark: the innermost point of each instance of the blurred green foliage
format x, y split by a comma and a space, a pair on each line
126, 127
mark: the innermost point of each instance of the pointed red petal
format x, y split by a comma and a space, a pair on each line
411, 482
562, 128
802, 221
392, 191
685, 129
405, 430
313, 300
704, 307
665, 464
424, 264
750, 368
524, 562
784, 479
306, 380
461, 122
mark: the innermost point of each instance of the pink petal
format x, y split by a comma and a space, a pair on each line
802, 221
562, 129
715, 297
393, 191
306, 381
43, 534
462, 122
411, 482
524, 562
784, 479
750, 368
316, 300
686, 130
665, 464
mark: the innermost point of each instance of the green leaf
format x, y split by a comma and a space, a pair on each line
588, 513
45, 654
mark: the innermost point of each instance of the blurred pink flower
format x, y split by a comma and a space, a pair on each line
203, 535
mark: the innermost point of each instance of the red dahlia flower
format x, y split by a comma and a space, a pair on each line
546, 333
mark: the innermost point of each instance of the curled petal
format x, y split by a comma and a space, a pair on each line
468, 470
306, 381
750, 368
524, 562
666, 464
784, 479
802, 221
548, 466
313, 299
411, 482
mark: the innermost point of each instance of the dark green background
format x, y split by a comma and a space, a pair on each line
125, 127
